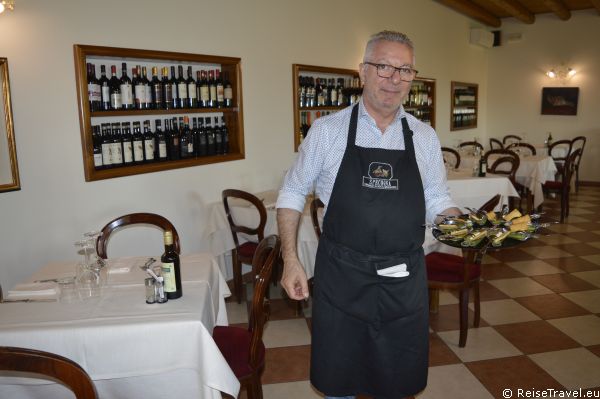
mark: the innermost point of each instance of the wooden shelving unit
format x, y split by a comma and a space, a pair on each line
421, 100
463, 103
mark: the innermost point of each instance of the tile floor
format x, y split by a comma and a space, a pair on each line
540, 326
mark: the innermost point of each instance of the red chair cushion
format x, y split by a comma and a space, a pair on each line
448, 268
247, 249
234, 344
553, 185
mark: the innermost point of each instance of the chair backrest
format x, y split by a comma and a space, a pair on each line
315, 204
498, 154
132, 219
472, 144
259, 230
496, 144
51, 365
569, 167
519, 146
491, 204
578, 142
266, 255
510, 138
562, 146
451, 157
506, 166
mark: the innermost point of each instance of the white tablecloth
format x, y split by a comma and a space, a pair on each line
533, 172
473, 192
129, 348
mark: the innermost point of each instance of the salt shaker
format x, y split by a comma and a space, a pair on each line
161, 295
150, 290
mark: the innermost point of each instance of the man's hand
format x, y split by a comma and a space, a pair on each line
294, 280
448, 212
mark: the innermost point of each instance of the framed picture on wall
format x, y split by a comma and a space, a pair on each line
560, 100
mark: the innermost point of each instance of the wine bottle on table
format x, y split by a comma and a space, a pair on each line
126, 89
171, 269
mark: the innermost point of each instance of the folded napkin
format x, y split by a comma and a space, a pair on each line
119, 270
33, 290
394, 271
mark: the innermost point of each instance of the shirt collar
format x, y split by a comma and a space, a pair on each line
362, 113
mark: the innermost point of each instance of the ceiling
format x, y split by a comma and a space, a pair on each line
491, 12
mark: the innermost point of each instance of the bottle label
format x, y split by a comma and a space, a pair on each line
138, 150
168, 93
94, 92
168, 272
117, 155
97, 160
174, 91
106, 154
105, 94
228, 93
190, 147
115, 101
204, 93
213, 92
220, 93
148, 93
149, 145
127, 151
126, 94
191, 90
162, 150
182, 90
140, 94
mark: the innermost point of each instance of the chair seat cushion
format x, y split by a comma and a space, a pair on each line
448, 268
234, 344
553, 185
247, 249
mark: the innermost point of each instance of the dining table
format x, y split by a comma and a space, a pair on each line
130, 349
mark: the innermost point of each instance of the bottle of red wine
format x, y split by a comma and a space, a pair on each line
204, 91
227, 91
175, 140
97, 144
167, 96
191, 90
139, 91
202, 143
161, 142
210, 137
156, 90
225, 134
182, 96
149, 143
127, 143
146, 83
94, 94
104, 89
218, 137
115, 89
116, 147
126, 89
106, 146
212, 88
171, 269
220, 89
138, 143
175, 94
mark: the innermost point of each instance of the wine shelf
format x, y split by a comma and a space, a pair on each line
421, 100
233, 116
463, 102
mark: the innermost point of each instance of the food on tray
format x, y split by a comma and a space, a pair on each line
512, 215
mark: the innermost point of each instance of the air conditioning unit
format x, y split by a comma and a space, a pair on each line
482, 37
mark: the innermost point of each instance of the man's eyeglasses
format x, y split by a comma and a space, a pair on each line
407, 74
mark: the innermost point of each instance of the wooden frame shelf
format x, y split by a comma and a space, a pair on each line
233, 116
464, 100
421, 100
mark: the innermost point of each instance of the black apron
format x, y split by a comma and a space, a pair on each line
370, 332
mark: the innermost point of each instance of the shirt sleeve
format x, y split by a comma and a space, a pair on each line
300, 179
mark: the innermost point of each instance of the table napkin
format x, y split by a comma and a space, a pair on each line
33, 290
394, 271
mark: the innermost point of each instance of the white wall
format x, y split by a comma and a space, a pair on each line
55, 205
516, 77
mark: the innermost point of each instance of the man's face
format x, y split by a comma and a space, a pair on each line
386, 94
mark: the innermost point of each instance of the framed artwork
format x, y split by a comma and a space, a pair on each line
9, 171
560, 100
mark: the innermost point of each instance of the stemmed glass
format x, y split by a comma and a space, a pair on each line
88, 278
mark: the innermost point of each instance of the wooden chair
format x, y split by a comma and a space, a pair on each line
472, 145
496, 144
451, 157
518, 147
510, 138
578, 142
243, 348
133, 219
51, 365
452, 272
560, 151
563, 186
315, 205
243, 252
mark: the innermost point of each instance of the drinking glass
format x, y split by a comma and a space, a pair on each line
88, 277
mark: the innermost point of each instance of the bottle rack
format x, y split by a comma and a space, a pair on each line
351, 90
421, 100
463, 103
233, 115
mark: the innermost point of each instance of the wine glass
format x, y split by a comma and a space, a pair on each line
88, 276
92, 238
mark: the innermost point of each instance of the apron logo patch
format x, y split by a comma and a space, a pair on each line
380, 177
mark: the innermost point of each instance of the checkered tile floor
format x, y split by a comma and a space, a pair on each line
540, 327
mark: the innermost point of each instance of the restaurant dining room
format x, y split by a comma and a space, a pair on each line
161, 235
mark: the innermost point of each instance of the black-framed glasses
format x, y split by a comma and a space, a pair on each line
407, 74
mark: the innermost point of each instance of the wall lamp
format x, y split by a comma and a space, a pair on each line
562, 73
7, 5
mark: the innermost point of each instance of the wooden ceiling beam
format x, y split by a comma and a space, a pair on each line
558, 8
474, 11
596, 4
516, 9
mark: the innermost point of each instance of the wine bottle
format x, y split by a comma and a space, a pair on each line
117, 149
225, 135
115, 89
106, 146
126, 89
174, 150
146, 83
204, 91
171, 270
184, 138
182, 97
191, 90
220, 89
104, 89
161, 142
210, 137
227, 91
167, 97
127, 143
212, 88
218, 137
173, 81
149, 143
94, 94
138, 143
97, 144
139, 91
202, 146
156, 90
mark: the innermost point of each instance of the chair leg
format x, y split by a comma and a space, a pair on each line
464, 317
237, 275
476, 305
577, 179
